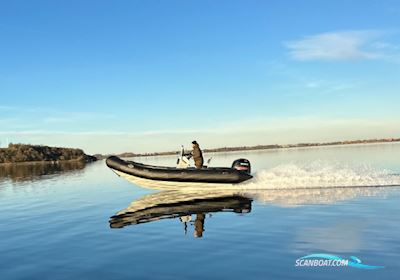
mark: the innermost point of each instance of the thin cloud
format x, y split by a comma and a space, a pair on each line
247, 125
57, 120
345, 45
246, 132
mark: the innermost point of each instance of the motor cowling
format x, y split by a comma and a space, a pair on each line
242, 164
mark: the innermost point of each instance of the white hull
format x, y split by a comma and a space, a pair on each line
168, 185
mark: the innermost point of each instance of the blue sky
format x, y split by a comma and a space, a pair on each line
113, 76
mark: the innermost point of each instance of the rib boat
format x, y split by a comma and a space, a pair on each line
161, 177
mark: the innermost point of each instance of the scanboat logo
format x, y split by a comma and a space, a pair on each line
319, 260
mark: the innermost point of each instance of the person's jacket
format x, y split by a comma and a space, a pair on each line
197, 156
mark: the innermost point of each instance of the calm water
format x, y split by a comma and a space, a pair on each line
86, 223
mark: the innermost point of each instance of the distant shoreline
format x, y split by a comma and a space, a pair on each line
261, 147
24, 153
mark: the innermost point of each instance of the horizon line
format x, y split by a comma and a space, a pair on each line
266, 147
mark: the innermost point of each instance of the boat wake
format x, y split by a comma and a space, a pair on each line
321, 175
288, 185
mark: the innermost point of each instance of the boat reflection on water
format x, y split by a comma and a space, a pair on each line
189, 207
194, 205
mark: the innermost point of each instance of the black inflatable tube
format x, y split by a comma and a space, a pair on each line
221, 175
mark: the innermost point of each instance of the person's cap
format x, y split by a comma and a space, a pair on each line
194, 142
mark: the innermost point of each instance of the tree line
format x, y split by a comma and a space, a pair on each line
28, 153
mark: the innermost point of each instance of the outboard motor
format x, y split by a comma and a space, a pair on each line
242, 164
